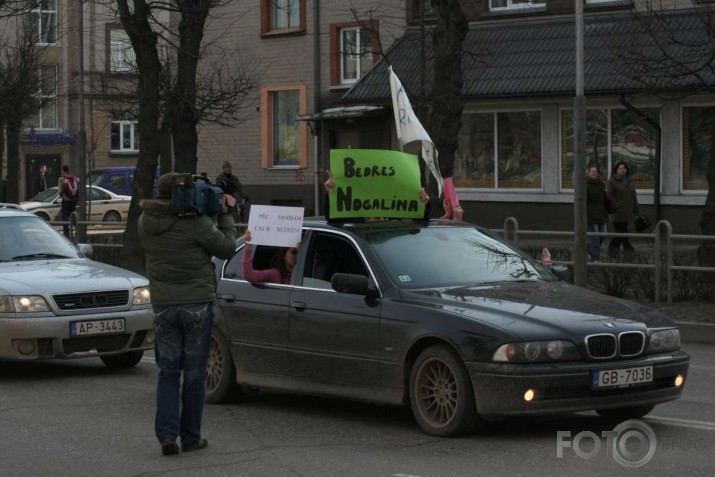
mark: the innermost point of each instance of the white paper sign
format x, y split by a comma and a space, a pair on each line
276, 226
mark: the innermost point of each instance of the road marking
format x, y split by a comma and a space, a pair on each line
702, 425
404, 475
146, 359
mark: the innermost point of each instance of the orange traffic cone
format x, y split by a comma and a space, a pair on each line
546, 257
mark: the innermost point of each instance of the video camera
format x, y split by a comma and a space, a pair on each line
195, 195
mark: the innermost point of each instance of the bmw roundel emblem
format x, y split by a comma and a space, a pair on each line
609, 325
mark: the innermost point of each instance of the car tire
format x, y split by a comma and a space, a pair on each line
121, 361
441, 394
112, 216
43, 216
624, 413
221, 383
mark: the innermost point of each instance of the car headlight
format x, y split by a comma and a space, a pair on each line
141, 296
22, 304
663, 340
536, 351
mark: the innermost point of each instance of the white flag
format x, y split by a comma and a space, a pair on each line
410, 129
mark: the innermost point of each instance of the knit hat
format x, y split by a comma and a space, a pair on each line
166, 182
226, 164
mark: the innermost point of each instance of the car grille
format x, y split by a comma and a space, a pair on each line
83, 301
603, 346
631, 343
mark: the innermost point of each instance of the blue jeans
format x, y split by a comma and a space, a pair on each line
183, 340
594, 243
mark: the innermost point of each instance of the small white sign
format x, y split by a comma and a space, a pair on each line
275, 225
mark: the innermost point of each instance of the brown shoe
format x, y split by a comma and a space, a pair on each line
194, 446
169, 446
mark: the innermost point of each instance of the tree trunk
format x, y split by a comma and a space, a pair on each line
144, 42
14, 131
447, 103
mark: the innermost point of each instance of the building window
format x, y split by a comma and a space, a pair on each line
612, 135
46, 116
352, 47
499, 151
282, 16
284, 138
44, 19
121, 54
698, 148
503, 5
125, 137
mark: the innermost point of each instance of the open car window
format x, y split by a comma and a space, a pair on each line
330, 254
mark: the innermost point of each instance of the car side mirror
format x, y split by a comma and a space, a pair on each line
352, 284
86, 249
561, 272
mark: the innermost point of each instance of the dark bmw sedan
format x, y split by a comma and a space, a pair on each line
447, 317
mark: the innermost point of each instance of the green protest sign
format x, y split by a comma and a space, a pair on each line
375, 183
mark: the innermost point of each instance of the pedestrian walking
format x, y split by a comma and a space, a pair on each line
621, 192
596, 214
68, 187
41, 183
179, 250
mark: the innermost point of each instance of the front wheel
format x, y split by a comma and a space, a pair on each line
624, 413
441, 394
221, 383
124, 360
112, 216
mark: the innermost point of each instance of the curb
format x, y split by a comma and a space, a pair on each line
691, 332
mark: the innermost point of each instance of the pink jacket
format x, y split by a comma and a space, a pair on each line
272, 275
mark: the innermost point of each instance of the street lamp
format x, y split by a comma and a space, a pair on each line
579, 119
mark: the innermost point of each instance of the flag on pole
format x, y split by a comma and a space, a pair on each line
410, 129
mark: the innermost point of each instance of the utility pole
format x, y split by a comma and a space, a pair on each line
82, 140
579, 118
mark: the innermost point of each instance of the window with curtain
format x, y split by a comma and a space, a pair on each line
124, 133
46, 115
612, 136
44, 18
355, 54
698, 149
122, 57
499, 151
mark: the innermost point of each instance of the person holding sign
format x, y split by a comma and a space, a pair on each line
282, 264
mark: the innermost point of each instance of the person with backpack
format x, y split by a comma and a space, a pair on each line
68, 186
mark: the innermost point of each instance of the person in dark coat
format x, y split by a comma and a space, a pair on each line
596, 213
622, 193
41, 182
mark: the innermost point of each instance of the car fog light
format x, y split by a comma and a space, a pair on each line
26, 346
679, 380
150, 336
529, 395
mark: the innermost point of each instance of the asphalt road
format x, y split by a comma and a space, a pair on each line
79, 419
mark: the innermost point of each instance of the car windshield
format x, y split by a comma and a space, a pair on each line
447, 257
45, 196
31, 238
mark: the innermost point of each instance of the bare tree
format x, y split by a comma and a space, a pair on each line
672, 60
20, 84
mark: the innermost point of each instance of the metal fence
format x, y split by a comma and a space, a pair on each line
662, 242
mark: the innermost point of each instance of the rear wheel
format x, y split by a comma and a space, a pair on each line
221, 383
120, 361
43, 216
624, 413
112, 216
441, 394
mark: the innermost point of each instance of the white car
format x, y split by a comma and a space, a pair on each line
57, 303
103, 205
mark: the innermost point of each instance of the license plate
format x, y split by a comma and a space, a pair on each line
622, 377
96, 327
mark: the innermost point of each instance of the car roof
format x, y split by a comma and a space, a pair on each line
14, 210
390, 224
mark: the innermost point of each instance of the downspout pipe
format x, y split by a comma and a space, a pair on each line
317, 145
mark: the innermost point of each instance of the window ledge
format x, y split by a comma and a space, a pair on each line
283, 168
286, 32
123, 153
516, 11
608, 4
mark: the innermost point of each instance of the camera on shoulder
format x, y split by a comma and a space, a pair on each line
195, 195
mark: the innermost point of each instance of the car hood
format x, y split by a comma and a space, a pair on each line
539, 310
64, 276
35, 205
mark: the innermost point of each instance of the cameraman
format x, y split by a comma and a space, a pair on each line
183, 290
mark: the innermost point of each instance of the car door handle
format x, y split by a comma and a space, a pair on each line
298, 306
229, 297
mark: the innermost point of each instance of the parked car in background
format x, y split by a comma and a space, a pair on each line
104, 205
116, 179
447, 317
57, 303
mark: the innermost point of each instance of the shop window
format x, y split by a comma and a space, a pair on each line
698, 149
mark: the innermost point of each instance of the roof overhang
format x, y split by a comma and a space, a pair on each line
345, 112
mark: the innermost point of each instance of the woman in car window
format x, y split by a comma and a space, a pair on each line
282, 264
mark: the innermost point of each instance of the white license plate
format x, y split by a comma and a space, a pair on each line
96, 327
622, 377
